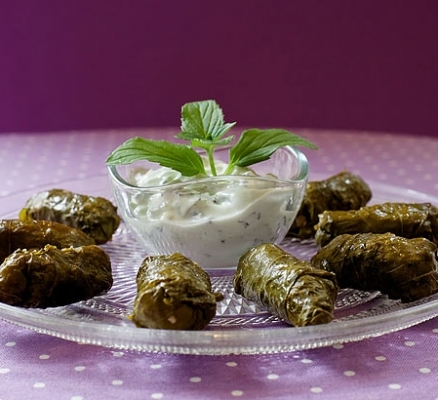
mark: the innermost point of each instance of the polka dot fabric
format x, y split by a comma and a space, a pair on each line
400, 365
398, 160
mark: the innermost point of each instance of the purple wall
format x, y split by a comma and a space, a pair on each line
368, 65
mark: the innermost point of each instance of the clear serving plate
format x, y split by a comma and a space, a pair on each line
239, 327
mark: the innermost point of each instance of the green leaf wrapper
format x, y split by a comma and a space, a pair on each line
293, 289
409, 220
173, 292
402, 268
343, 191
95, 216
52, 277
16, 234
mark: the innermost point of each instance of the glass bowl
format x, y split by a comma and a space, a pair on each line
212, 220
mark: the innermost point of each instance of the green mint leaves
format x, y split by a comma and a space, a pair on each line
203, 125
257, 145
179, 157
203, 121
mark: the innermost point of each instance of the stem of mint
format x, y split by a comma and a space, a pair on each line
210, 155
229, 169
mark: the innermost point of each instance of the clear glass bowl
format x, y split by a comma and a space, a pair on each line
213, 220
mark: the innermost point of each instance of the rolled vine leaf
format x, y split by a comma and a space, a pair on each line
95, 216
16, 234
405, 269
409, 220
52, 277
173, 292
290, 288
343, 191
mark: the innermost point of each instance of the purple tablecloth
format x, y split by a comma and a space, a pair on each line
399, 365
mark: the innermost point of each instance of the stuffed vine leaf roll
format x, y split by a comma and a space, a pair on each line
96, 216
173, 292
16, 234
288, 287
344, 191
402, 268
51, 277
403, 219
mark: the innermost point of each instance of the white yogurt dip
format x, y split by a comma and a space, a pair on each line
212, 221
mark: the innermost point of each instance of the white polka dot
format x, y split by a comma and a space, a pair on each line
316, 390
401, 172
117, 382
4, 370
11, 344
77, 398
236, 393
156, 396
349, 373
272, 377
39, 385
394, 386
409, 343
118, 353
380, 358
424, 370
306, 361
79, 368
195, 379
338, 346
331, 168
435, 330
44, 357
155, 366
231, 364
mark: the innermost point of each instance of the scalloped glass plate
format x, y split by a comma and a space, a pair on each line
239, 327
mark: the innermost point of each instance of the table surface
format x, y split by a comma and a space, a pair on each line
399, 365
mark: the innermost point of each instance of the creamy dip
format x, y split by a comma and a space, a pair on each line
213, 222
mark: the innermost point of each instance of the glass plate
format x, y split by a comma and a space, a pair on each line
239, 327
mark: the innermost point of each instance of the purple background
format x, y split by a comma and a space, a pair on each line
341, 64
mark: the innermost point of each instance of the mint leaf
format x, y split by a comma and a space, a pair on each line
203, 120
256, 145
179, 157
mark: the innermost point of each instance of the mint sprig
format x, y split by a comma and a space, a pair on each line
203, 125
